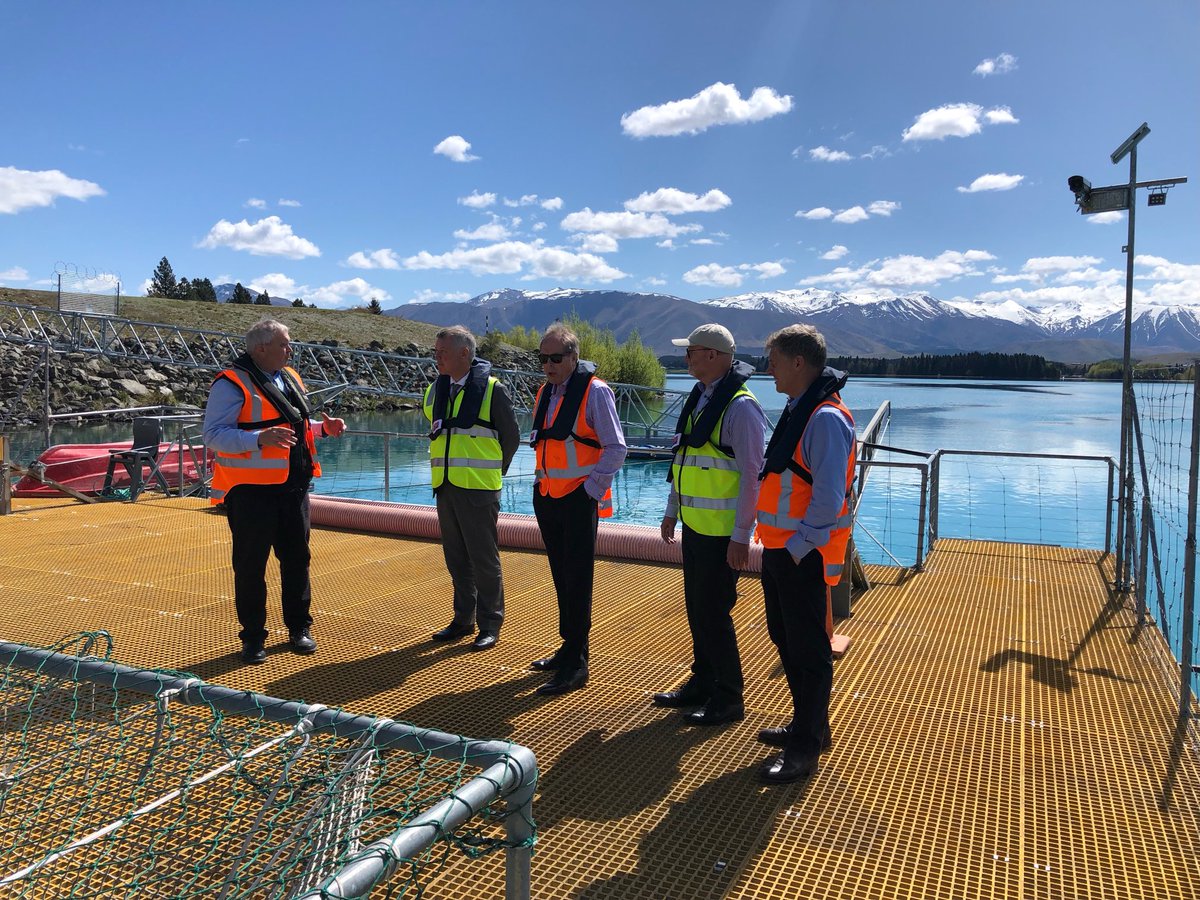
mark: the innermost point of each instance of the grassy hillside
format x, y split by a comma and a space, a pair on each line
348, 328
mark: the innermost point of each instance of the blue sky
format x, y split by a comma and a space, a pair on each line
429, 151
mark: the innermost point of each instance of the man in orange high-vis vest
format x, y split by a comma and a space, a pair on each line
578, 446
804, 524
257, 422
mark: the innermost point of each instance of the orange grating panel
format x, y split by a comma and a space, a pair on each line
1002, 729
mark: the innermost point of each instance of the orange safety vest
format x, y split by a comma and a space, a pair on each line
266, 465
784, 496
563, 465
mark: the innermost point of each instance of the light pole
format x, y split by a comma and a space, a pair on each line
1114, 198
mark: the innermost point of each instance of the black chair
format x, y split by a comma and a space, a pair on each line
144, 454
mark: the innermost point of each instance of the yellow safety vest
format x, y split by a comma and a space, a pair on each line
466, 457
707, 480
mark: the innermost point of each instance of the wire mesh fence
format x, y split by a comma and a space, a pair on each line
86, 290
1162, 541
116, 782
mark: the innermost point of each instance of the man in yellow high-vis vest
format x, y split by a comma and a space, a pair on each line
714, 488
473, 437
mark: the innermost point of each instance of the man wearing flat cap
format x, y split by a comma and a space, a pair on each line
714, 489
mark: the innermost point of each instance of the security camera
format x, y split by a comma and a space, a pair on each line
1078, 185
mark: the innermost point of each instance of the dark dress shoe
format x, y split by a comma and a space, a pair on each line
485, 641
685, 696
778, 737
253, 653
547, 664
715, 715
563, 682
787, 768
302, 642
453, 632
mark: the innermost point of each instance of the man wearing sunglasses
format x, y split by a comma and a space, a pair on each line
714, 490
579, 445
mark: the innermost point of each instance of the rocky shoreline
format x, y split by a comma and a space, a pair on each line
85, 382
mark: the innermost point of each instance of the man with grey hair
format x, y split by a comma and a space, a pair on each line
804, 523
258, 421
472, 440
718, 453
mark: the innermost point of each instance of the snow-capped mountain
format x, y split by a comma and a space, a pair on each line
860, 323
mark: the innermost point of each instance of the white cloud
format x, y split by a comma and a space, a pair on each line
623, 225
266, 237
255, 203
1106, 218
492, 231
21, 189
851, 215
16, 273
837, 251
511, 257
882, 207
1000, 181
1000, 65
283, 202
538, 226
1001, 115
905, 272
346, 293
674, 202
1177, 284
455, 148
817, 212
717, 104
824, 154
428, 296
374, 259
276, 284
476, 200
703, 242
713, 274
655, 282
1043, 265
765, 269
144, 288
731, 276
876, 150
598, 243
955, 120
552, 203
666, 244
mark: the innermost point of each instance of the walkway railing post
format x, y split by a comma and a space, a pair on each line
5, 478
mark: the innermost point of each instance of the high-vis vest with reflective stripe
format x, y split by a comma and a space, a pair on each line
266, 465
783, 500
707, 480
466, 457
564, 465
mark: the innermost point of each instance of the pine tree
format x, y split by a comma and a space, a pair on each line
263, 299
163, 283
374, 308
182, 290
204, 291
298, 303
241, 295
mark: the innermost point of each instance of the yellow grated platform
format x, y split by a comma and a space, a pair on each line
1002, 727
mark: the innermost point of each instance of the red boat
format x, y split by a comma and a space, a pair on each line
84, 467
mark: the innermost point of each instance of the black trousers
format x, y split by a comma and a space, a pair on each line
795, 596
709, 593
467, 519
262, 519
568, 525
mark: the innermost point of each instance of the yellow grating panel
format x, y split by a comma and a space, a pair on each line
1000, 730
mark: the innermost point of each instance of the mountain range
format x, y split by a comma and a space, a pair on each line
864, 323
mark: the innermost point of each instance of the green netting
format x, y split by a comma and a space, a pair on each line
106, 791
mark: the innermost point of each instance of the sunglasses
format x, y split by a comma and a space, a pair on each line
555, 358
